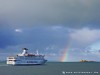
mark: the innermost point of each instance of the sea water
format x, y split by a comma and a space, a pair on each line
53, 68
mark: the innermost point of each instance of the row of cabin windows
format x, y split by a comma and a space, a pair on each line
31, 58
12, 60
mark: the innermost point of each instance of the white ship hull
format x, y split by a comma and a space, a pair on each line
37, 62
26, 59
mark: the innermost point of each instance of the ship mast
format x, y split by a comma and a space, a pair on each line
37, 53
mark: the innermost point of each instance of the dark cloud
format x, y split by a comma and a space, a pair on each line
71, 13
42, 36
6, 36
38, 36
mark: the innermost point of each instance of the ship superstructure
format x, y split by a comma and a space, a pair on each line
26, 58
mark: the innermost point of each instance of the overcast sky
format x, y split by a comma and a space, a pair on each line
51, 26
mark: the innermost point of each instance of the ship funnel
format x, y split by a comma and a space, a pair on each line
24, 51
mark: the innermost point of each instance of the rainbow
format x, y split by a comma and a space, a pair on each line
64, 55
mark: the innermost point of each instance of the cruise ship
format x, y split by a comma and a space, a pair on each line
26, 58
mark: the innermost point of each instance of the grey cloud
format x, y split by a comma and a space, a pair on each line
84, 37
6, 37
38, 36
71, 13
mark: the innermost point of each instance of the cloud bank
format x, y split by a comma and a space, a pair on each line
84, 37
71, 13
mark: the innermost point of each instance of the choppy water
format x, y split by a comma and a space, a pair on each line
53, 68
